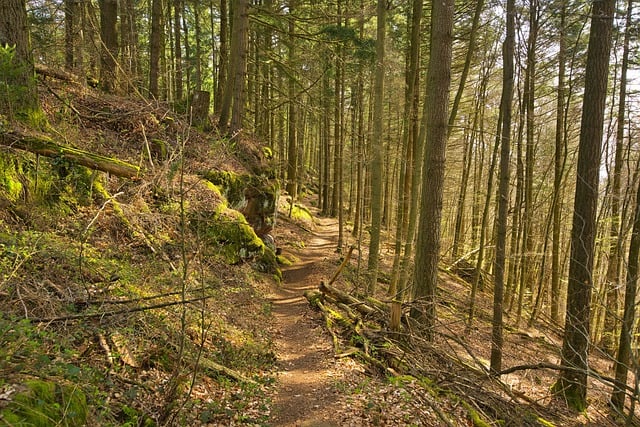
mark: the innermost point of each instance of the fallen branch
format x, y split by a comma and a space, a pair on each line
345, 298
344, 263
116, 312
42, 144
228, 372
590, 372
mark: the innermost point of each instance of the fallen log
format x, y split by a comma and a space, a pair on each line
347, 299
41, 144
58, 74
210, 365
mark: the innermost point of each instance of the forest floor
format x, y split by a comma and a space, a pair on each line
103, 267
315, 388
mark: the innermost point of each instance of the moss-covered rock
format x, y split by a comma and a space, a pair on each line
228, 233
255, 197
45, 404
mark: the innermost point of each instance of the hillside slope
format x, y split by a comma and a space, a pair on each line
154, 301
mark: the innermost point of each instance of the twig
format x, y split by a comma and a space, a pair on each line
26, 312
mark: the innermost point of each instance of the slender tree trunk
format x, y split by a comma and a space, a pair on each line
292, 156
473, 34
527, 264
437, 105
377, 144
177, 50
198, 55
559, 159
572, 383
109, 38
615, 248
408, 135
477, 279
503, 188
221, 81
157, 42
70, 23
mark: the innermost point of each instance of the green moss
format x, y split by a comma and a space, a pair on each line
475, 417
282, 260
231, 185
46, 403
301, 212
229, 234
10, 187
571, 395
267, 152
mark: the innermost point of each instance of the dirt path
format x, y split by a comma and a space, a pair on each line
306, 394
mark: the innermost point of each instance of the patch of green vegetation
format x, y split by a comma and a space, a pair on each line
283, 260
475, 416
231, 185
17, 91
301, 212
133, 418
45, 404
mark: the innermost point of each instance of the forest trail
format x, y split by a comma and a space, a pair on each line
306, 394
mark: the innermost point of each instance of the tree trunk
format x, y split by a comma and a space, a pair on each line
615, 247
527, 264
109, 49
408, 135
223, 62
157, 44
292, 156
377, 144
239, 45
467, 63
177, 50
572, 384
437, 104
559, 160
503, 188
200, 108
14, 32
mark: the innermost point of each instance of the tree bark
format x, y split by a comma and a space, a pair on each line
377, 144
572, 384
14, 32
503, 189
437, 105
156, 48
109, 48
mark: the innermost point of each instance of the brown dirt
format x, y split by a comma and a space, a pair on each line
306, 394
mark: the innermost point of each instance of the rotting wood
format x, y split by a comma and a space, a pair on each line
42, 144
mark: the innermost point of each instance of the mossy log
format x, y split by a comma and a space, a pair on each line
345, 298
43, 145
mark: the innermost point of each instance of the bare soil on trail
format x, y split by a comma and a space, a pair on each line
306, 394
